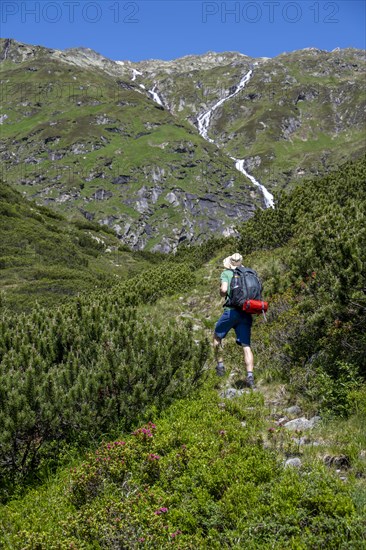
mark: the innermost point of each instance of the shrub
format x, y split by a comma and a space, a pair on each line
71, 374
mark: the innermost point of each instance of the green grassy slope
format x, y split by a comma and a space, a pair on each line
47, 259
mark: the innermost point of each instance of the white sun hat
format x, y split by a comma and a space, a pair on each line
233, 261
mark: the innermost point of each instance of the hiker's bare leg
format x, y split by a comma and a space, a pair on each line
218, 349
248, 358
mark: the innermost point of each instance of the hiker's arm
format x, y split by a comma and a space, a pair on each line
223, 288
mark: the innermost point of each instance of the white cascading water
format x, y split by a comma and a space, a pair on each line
203, 123
203, 120
135, 72
155, 96
267, 196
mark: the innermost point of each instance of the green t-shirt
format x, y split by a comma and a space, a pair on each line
226, 277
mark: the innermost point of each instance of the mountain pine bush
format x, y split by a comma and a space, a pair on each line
75, 372
320, 320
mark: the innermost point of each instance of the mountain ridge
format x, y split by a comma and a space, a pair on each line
299, 115
224, 53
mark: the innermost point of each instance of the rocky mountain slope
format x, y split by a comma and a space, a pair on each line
46, 259
119, 142
98, 146
299, 115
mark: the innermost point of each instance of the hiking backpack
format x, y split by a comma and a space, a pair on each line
246, 291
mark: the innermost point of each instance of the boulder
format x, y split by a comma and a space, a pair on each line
301, 423
293, 463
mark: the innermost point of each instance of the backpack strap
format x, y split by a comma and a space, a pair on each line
244, 278
227, 299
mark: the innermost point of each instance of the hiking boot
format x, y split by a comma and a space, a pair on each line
220, 369
250, 382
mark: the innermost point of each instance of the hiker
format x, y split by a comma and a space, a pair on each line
234, 318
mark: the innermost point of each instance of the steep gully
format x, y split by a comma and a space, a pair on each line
203, 124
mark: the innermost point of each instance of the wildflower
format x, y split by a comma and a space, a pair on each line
222, 432
152, 457
141, 539
271, 430
178, 532
161, 510
145, 431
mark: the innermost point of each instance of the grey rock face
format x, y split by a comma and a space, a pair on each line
95, 175
109, 221
78, 149
172, 199
252, 163
66, 197
281, 421
102, 194
302, 423
87, 215
103, 119
155, 193
289, 126
33, 160
55, 156
157, 174
121, 180
142, 205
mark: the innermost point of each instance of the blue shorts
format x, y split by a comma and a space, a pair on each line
240, 321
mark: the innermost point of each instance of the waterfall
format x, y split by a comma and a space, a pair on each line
203, 124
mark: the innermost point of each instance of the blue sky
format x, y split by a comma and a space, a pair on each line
136, 30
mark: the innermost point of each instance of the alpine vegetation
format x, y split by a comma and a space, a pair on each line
150, 210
